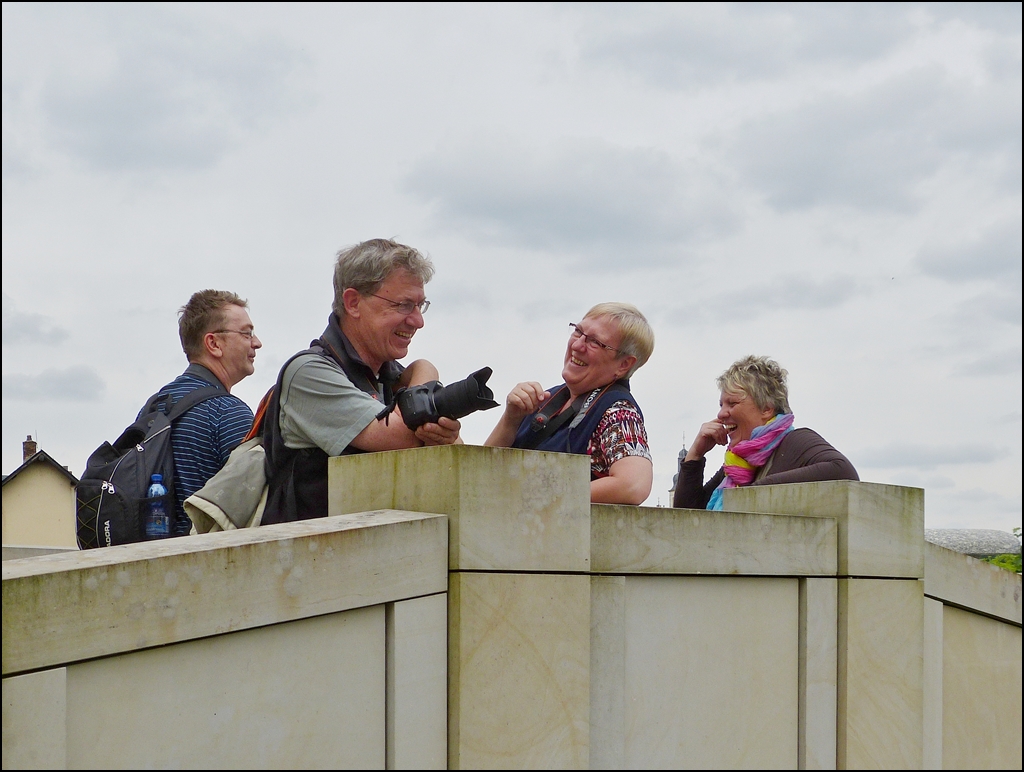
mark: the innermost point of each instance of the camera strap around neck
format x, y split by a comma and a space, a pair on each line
552, 417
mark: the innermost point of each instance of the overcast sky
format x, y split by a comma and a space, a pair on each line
836, 186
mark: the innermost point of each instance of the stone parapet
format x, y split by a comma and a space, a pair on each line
960, 580
807, 626
880, 611
63, 608
510, 510
652, 540
881, 527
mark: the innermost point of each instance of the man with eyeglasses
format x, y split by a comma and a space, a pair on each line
218, 339
328, 398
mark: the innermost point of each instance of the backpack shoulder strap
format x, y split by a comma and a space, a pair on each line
261, 412
154, 402
192, 399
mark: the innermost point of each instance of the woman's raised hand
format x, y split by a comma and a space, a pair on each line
524, 399
711, 433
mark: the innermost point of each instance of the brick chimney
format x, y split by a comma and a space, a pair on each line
28, 449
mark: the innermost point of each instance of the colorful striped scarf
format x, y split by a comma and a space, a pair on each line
744, 459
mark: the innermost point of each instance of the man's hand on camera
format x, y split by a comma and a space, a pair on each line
444, 432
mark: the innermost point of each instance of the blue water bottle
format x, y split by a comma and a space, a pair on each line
158, 522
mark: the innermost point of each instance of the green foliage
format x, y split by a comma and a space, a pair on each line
1010, 561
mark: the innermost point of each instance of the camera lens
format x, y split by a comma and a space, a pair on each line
466, 396
427, 402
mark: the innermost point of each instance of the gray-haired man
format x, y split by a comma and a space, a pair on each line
328, 398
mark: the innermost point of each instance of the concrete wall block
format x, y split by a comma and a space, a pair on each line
63, 608
881, 674
35, 720
519, 667
961, 580
510, 510
881, 527
655, 540
981, 692
417, 683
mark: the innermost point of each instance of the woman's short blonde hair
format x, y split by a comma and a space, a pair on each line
636, 335
761, 379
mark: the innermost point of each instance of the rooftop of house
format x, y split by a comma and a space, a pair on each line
32, 455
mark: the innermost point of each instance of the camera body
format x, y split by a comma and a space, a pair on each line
427, 402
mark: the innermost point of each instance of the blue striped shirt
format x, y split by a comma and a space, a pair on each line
202, 439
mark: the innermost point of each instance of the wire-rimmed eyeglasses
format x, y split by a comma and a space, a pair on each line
590, 340
406, 307
250, 334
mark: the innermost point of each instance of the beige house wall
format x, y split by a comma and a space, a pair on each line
521, 627
39, 509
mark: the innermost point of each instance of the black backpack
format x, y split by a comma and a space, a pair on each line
111, 494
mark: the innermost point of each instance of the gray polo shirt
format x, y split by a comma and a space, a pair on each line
321, 407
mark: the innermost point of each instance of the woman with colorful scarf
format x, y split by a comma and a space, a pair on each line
593, 411
764, 448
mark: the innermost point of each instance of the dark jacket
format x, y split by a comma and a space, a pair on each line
297, 478
802, 456
572, 428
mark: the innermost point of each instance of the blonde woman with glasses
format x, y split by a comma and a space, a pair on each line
593, 411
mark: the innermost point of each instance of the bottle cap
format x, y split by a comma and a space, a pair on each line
157, 478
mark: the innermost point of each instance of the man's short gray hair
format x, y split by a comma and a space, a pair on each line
366, 266
636, 338
761, 379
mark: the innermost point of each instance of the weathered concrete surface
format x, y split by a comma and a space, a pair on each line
63, 608
880, 526
960, 580
655, 540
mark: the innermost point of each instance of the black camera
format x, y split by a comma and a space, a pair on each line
427, 402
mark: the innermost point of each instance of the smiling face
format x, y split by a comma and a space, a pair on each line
239, 349
740, 415
376, 328
588, 366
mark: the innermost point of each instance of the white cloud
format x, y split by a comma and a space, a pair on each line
999, 363
697, 46
974, 507
1002, 305
32, 329
994, 254
897, 455
837, 186
574, 196
871, 150
1000, 17
168, 92
78, 383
